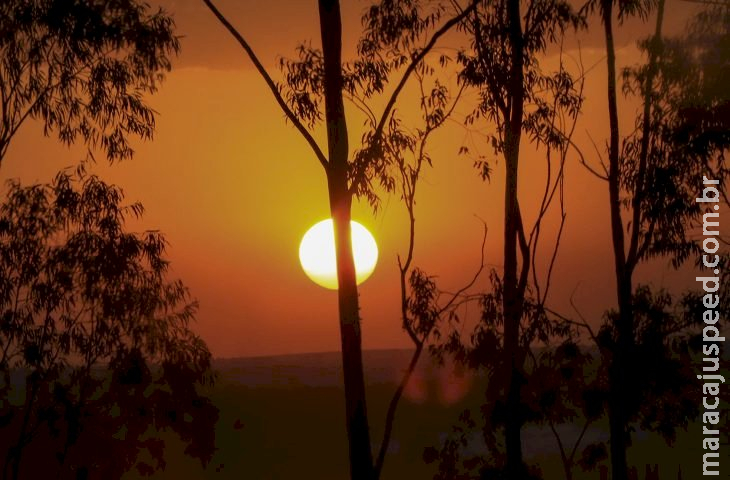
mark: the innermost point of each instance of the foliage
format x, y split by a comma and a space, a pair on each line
688, 135
653, 178
515, 97
703, 107
453, 464
568, 384
398, 35
82, 68
488, 67
98, 357
483, 350
661, 380
456, 461
395, 44
625, 8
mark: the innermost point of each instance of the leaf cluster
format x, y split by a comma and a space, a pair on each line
488, 66
96, 341
661, 378
394, 34
687, 138
82, 68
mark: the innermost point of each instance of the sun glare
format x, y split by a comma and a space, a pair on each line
317, 253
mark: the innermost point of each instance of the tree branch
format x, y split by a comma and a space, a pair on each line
414, 63
272, 86
474, 279
392, 407
633, 256
410, 176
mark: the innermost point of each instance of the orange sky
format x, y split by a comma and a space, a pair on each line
234, 188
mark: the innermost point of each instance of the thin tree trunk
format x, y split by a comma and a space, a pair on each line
512, 301
567, 462
640, 186
390, 416
361, 461
625, 264
616, 401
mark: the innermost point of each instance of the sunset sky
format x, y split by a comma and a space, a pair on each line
234, 188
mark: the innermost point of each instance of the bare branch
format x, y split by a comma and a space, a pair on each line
362, 106
579, 439
584, 323
474, 279
409, 178
563, 455
582, 160
393, 407
272, 86
600, 158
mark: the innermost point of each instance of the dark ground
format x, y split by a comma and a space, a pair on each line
282, 418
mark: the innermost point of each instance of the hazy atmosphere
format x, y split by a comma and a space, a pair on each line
234, 188
364, 239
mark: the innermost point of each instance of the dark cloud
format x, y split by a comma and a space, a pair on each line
275, 28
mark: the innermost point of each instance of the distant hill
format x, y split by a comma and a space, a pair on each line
313, 369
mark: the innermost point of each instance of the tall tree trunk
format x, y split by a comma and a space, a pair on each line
511, 297
624, 326
625, 264
361, 460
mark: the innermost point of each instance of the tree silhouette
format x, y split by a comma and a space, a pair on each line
96, 345
506, 38
653, 175
484, 349
565, 383
397, 38
708, 37
97, 356
82, 68
662, 382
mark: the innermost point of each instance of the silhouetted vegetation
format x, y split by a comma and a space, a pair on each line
82, 67
653, 176
642, 377
397, 38
102, 376
517, 98
97, 354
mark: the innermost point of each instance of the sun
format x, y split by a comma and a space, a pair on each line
317, 253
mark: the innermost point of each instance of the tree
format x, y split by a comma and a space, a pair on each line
551, 124
664, 397
569, 384
96, 344
82, 68
503, 65
691, 69
398, 36
423, 308
653, 176
96, 347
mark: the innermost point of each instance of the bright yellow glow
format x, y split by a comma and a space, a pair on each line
317, 253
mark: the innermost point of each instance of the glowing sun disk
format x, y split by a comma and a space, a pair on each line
317, 253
